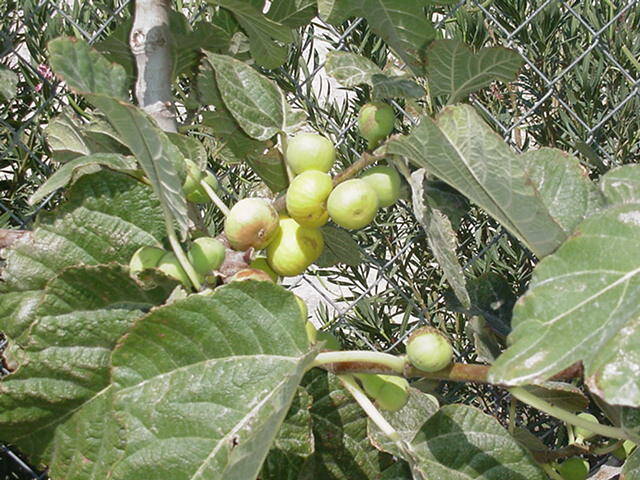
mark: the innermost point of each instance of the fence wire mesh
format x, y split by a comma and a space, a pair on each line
579, 90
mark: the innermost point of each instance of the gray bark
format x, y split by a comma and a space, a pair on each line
151, 44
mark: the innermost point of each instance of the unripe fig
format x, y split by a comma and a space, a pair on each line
171, 267
206, 254
294, 247
353, 204
250, 274
307, 198
198, 194
428, 350
252, 222
261, 264
583, 433
375, 122
310, 151
574, 468
393, 394
193, 177
145, 257
386, 182
312, 332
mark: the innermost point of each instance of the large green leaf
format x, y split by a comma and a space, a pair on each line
631, 468
106, 218
622, 184
271, 169
342, 449
293, 13
86, 70
76, 168
402, 24
211, 376
262, 32
582, 304
339, 247
257, 104
461, 442
454, 70
462, 150
65, 364
351, 69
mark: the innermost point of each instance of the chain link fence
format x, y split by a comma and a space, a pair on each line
579, 90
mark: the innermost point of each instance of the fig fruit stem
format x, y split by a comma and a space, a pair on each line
215, 198
182, 258
369, 408
388, 363
529, 398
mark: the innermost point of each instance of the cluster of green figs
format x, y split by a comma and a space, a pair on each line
292, 240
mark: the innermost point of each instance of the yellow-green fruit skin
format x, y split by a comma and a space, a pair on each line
393, 394
171, 267
304, 310
375, 122
250, 274
386, 182
145, 257
312, 332
574, 468
294, 248
353, 204
192, 178
261, 264
429, 351
206, 254
310, 151
583, 433
198, 194
307, 198
252, 222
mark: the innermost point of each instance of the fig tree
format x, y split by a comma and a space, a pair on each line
206, 254
145, 257
310, 151
307, 198
574, 468
353, 204
252, 222
294, 247
171, 267
428, 350
375, 122
386, 182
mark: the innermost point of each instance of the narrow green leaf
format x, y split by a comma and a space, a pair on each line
85, 70
256, 103
462, 150
622, 184
454, 70
462, 442
582, 306
212, 375
76, 168
339, 247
